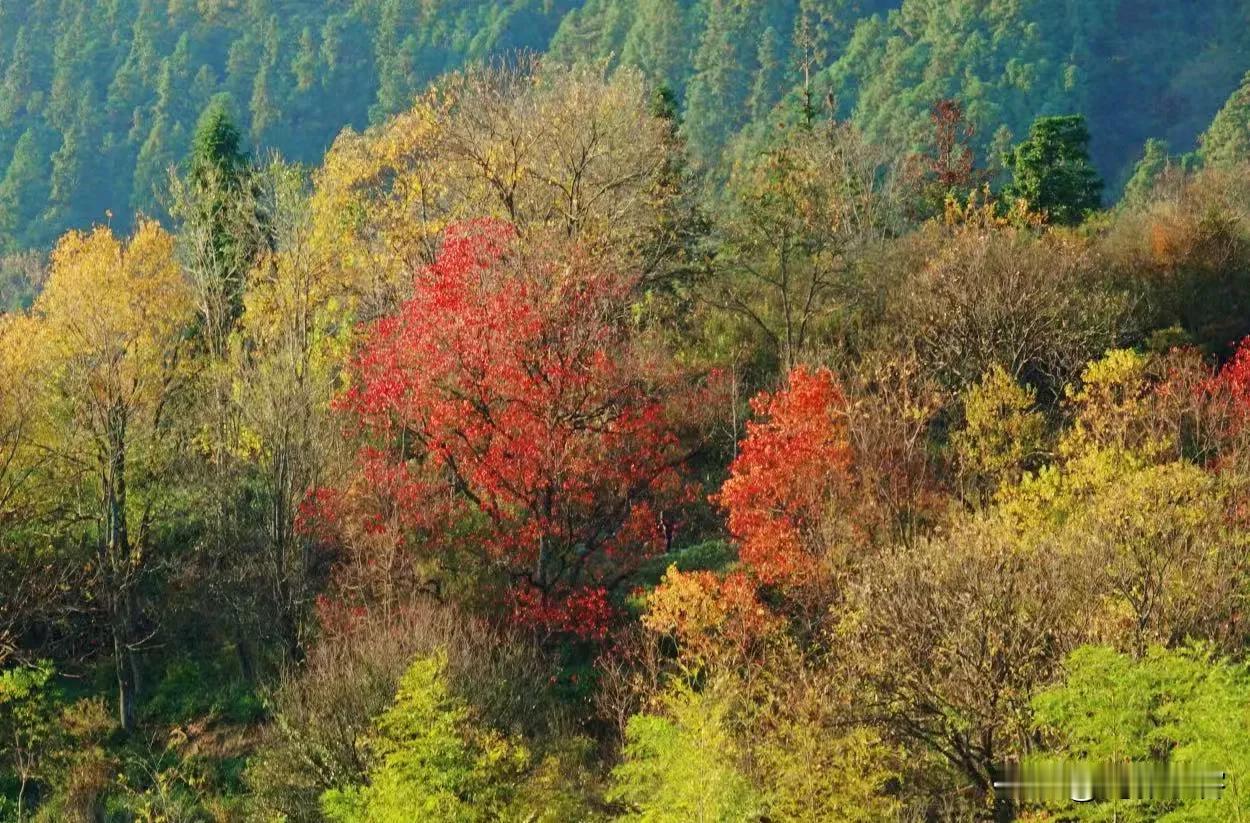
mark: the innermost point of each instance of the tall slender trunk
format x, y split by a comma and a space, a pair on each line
117, 550
127, 671
247, 659
21, 792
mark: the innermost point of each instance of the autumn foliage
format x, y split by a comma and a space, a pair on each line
785, 487
951, 161
503, 408
1219, 402
714, 620
1235, 375
418, 487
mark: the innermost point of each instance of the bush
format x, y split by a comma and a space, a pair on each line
192, 689
1186, 250
711, 555
324, 712
684, 764
1036, 307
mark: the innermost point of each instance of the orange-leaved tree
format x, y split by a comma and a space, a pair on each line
788, 487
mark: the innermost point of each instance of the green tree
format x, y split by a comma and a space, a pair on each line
769, 77
716, 100
1186, 706
18, 83
396, 61
157, 155
1052, 170
1154, 161
798, 217
659, 42
1011, 62
219, 236
23, 192
28, 728
147, 68
1227, 141
683, 764
217, 213
432, 760
268, 90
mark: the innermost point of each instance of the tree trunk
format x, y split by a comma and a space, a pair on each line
126, 685
119, 559
247, 660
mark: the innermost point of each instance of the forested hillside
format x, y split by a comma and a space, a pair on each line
738, 412
99, 99
1137, 69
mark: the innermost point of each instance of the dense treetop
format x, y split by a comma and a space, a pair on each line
100, 98
1135, 68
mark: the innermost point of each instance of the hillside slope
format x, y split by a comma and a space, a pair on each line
98, 99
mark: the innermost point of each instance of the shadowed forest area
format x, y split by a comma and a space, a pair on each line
675, 410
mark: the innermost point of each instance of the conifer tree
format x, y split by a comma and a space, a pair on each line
1052, 170
1153, 163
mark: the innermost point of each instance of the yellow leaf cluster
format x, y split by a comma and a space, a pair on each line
114, 315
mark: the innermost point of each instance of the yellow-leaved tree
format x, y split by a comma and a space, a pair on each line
29, 582
288, 352
113, 320
560, 152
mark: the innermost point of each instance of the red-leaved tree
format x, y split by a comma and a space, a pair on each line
1235, 374
1215, 404
950, 162
788, 489
511, 418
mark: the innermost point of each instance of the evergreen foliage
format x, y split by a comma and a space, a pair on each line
98, 100
1052, 172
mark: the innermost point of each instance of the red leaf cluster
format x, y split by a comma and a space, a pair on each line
507, 409
1235, 375
585, 613
794, 464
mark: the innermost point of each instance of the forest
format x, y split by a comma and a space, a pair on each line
658, 411
99, 97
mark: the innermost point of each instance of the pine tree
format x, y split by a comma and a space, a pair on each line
24, 192
304, 65
1052, 171
18, 82
717, 96
658, 43
151, 171
217, 144
769, 79
216, 209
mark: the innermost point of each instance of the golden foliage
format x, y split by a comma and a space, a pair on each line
550, 150
1002, 432
114, 315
